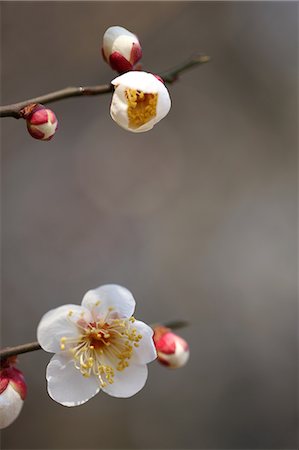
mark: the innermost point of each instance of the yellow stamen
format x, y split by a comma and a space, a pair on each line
142, 107
100, 342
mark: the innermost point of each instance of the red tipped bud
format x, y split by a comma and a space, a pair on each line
41, 123
172, 350
13, 391
121, 49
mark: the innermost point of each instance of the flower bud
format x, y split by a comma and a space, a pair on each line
139, 101
41, 123
172, 350
12, 394
121, 49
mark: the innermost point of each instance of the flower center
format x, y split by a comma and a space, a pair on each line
102, 346
141, 107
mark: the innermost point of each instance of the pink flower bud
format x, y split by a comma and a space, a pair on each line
172, 350
12, 394
121, 49
41, 123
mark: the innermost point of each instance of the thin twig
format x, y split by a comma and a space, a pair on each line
18, 349
172, 75
32, 346
16, 110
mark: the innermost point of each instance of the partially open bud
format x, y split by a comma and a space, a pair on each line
139, 101
41, 123
121, 49
172, 350
12, 394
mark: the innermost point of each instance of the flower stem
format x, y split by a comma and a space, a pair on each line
16, 110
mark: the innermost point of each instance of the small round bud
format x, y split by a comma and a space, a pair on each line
121, 49
41, 123
12, 394
139, 101
172, 350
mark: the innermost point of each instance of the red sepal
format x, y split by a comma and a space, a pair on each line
119, 63
136, 54
15, 378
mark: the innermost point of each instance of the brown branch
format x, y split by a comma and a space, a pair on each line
16, 110
172, 75
19, 349
32, 346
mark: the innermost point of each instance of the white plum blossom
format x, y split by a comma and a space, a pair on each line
121, 49
140, 100
98, 345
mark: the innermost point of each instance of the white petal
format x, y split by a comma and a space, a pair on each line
127, 382
143, 81
146, 352
66, 384
119, 107
60, 322
99, 300
118, 39
10, 406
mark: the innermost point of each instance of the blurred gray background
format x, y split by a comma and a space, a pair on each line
196, 217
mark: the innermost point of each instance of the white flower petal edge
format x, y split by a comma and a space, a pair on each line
139, 101
98, 345
98, 300
128, 382
66, 384
60, 322
146, 350
136, 79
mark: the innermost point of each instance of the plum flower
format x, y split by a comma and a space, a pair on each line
13, 391
140, 100
41, 123
98, 345
121, 49
172, 350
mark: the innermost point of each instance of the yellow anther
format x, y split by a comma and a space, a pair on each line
70, 313
97, 303
141, 107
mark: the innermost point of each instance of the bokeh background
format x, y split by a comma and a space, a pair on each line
197, 218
